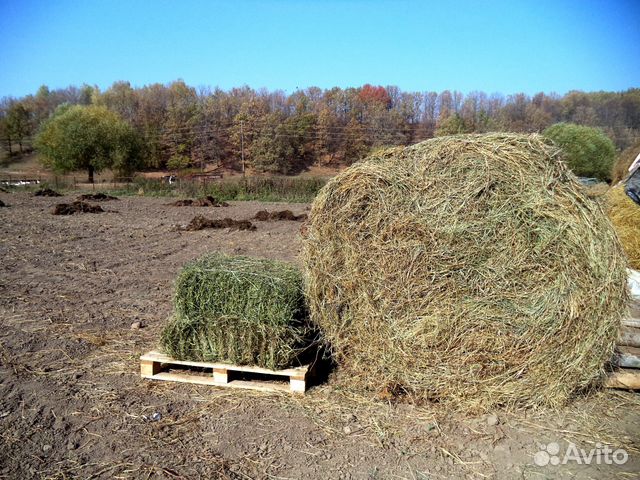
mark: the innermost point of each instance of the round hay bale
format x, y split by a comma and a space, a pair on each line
625, 216
239, 310
472, 270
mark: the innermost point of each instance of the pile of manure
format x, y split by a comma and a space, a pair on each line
207, 201
46, 192
239, 310
76, 207
625, 216
264, 216
200, 223
96, 197
471, 271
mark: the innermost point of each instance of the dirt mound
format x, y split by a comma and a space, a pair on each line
200, 223
96, 197
76, 207
46, 192
264, 216
207, 201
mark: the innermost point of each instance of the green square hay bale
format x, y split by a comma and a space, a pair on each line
239, 310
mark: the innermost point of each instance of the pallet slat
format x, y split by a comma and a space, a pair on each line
151, 366
624, 379
628, 357
629, 336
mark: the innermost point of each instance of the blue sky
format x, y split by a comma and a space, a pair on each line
495, 46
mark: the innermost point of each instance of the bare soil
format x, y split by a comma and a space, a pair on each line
72, 403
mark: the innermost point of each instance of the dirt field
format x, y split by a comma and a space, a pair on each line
72, 404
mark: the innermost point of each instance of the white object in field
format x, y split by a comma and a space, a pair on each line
634, 283
635, 163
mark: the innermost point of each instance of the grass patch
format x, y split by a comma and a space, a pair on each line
264, 189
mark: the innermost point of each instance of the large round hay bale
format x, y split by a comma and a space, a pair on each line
471, 270
239, 310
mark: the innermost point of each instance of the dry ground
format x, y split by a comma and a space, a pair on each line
72, 404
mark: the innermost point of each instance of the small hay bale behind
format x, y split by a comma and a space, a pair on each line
472, 271
625, 216
239, 310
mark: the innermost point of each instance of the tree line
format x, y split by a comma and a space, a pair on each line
179, 126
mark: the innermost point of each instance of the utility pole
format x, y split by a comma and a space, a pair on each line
242, 144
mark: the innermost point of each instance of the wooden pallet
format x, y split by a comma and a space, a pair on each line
154, 365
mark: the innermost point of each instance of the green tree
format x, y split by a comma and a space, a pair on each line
588, 151
452, 126
88, 138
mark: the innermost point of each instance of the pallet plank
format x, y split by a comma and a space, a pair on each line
631, 322
151, 366
624, 379
629, 336
628, 357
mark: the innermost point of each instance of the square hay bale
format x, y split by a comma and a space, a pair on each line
239, 310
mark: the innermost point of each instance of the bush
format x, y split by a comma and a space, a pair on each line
588, 151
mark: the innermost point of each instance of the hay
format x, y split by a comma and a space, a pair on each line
240, 310
620, 170
470, 270
625, 216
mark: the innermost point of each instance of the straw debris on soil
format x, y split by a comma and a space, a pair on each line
201, 223
76, 207
240, 310
625, 216
472, 271
264, 216
46, 192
